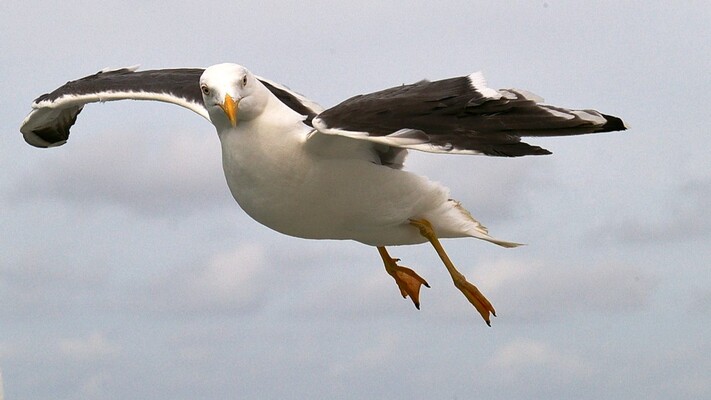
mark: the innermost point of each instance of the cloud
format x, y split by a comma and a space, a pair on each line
373, 356
349, 296
522, 356
347, 281
674, 370
491, 188
236, 281
701, 302
154, 176
683, 215
95, 346
521, 291
538, 291
34, 284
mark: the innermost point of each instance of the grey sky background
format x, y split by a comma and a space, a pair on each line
127, 270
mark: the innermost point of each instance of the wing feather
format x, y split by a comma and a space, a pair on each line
458, 115
54, 113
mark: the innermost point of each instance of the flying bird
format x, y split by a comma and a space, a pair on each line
338, 173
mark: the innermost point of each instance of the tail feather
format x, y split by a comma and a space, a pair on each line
475, 229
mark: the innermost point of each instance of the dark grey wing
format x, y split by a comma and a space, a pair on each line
458, 115
54, 113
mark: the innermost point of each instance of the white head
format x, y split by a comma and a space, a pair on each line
232, 94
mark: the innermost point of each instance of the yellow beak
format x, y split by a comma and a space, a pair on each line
229, 106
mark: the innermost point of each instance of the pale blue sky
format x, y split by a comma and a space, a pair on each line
127, 270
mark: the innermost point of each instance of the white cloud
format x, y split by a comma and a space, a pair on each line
522, 356
491, 188
521, 291
236, 273
233, 281
372, 357
679, 370
153, 175
95, 346
537, 291
347, 280
36, 284
367, 295
683, 215
701, 302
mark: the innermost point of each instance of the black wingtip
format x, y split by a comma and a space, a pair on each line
45, 127
613, 124
48, 137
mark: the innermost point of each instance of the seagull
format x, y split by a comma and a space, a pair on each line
338, 173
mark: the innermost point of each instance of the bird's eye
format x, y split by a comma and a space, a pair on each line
244, 80
205, 90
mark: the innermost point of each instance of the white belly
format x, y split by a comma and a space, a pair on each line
302, 194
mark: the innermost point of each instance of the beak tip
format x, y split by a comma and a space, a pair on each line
229, 106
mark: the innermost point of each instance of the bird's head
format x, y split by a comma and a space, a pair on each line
231, 94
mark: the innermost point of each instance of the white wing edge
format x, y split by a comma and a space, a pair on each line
132, 68
515, 93
404, 138
46, 113
478, 83
71, 100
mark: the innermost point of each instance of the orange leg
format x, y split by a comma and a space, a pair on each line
475, 297
407, 280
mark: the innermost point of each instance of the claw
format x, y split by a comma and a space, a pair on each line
476, 298
408, 281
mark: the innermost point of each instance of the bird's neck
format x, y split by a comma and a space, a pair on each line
271, 140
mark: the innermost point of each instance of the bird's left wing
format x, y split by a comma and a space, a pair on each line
458, 115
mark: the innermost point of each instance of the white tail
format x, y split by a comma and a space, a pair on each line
479, 231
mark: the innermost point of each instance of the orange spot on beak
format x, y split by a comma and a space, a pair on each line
229, 106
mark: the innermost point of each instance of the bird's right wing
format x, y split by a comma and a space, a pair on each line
54, 113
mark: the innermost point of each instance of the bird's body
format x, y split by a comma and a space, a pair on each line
327, 187
337, 173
